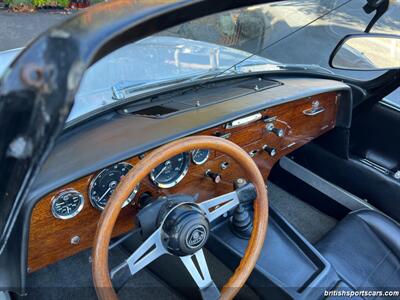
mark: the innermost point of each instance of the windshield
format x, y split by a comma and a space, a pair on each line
272, 37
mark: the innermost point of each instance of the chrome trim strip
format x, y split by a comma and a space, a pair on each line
375, 166
389, 104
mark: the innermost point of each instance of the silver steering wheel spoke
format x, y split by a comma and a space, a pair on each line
197, 266
218, 206
149, 251
194, 237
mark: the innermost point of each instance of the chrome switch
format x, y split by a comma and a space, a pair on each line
271, 128
214, 176
270, 150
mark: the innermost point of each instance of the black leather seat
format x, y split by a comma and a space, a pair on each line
364, 248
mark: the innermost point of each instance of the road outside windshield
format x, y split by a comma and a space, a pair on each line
273, 37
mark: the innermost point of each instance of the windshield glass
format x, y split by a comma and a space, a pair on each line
273, 37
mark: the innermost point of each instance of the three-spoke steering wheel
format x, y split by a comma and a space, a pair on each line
190, 233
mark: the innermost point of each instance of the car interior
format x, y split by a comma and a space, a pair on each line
165, 196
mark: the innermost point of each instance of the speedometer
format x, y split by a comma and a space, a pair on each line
171, 172
104, 184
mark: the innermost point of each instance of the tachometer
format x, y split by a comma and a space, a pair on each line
67, 204
104, 184
172, 171
200, 156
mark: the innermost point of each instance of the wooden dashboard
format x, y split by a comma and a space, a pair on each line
52, 239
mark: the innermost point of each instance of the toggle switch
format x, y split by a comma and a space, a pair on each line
278, 131
270, 150
214, 176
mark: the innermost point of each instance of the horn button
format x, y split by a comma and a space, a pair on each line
185, 229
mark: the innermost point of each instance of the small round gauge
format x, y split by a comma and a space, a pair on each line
200, 156
104, 184
172, 171
67, 204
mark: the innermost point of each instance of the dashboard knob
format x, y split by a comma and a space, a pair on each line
278, 131
214, 176
270, 150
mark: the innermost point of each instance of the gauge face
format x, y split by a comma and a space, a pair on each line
172, 171
104, 184
200, 156
67, 204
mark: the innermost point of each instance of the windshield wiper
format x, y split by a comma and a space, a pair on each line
304, 67
213, 73
126, 89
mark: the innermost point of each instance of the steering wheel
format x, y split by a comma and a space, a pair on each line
193, 232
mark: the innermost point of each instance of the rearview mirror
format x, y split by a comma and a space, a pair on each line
367, 52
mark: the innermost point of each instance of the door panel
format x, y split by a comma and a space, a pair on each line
375, 136
370, 170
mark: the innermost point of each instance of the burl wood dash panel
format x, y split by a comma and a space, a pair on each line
50, 238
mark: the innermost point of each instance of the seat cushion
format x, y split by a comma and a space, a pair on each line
364, 248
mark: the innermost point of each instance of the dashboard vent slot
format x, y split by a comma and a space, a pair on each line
257, 84
157, 110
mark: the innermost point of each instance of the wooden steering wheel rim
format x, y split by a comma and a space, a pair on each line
100, 268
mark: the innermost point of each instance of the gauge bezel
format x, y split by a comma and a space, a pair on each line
91, 185
61, 194
177, 180
202, 161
